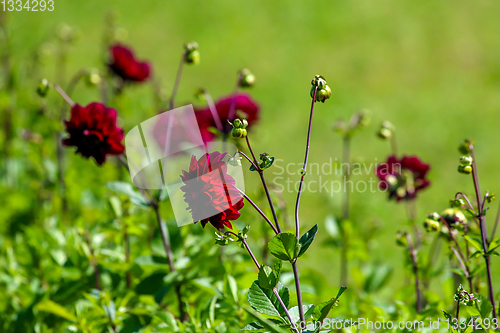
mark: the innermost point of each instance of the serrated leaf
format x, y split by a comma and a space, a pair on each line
306, 239
128, 190
284, 246
264, 301
322, 310
270, 325
484, 306
267, 277
52, 307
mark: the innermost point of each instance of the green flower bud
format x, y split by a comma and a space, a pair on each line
388, 125
490, 197
401, 239
237, 123
384, 133
433, 216
247, 79
466, 160
323, 92
457, 203
238, 132
454, 217
302, 172
191, 53
43, 88
465, 169
93, 78
431, 225
464, 147
244, 123
199, 95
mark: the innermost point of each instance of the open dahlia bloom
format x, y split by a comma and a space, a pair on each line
210, 192
403, 178
245, 107
124, 64
92, 130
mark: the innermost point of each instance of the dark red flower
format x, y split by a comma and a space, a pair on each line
124, 64
210, 192
92, 129
245, 107
403, 178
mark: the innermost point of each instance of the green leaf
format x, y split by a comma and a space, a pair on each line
306, 239
128, 190
263, 324
267, 277
262, 302
265, 301
484, 306
474, 243
322, 310
52, 307
284, 246
278, 264
295, 315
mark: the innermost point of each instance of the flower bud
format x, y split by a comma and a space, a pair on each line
93, 78
431, 225
433, 216
466, 160
238, 132
247, 79
323, 90
237, 123
191, 53
457, 203
465, 169
464, 147
302, 172
200, 95
384, 133
388, 125
43, 88
454, 217
244, 123
401, 239
234, 161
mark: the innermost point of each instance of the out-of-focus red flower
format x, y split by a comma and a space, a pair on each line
210, 192
92, 129
245, 107
403, 178
124, 64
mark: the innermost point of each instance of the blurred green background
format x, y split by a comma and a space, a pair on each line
430, 67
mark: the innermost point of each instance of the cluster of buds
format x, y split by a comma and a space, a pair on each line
191, 53
323, 92
386, 130
431, 223
454, 217
465, 165
464, 297
464, 147
239, 128
246, 78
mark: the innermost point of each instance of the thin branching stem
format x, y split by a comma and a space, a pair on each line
259, 211
413, 255
482, 226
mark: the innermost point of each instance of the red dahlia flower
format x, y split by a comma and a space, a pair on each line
124, 64
245, 107
92, 129
403, 178
210, 192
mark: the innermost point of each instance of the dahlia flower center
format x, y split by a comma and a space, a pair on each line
94, 135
